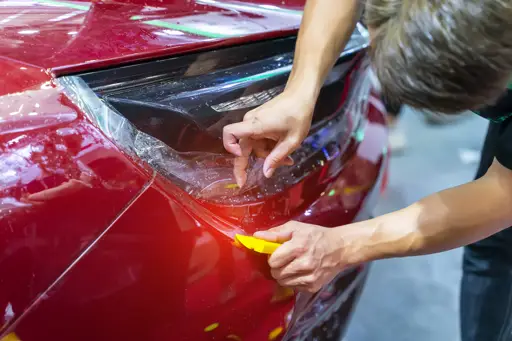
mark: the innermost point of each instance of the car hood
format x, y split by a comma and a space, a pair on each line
72, 36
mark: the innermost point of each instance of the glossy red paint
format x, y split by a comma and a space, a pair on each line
71, 36
61, 183
17, 77
163, 275
159, 272
93, 245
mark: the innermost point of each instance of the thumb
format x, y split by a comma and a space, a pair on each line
278, 155
279, 234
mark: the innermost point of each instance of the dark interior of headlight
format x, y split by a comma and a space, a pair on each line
187, 109
184, 102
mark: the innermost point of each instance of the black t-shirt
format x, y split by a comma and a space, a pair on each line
498, 142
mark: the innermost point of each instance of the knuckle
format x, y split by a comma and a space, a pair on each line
229, 130
308, 264
303, 241
294, 141
300, 250
249, 116
226, 129
274, 262
258, 126
309, 281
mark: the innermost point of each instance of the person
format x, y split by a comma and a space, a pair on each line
440, 55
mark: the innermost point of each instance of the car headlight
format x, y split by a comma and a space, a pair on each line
170, 114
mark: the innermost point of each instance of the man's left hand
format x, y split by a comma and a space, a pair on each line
310, 257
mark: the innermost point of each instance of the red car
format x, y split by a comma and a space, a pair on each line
118, 206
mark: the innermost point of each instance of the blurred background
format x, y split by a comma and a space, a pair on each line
417, 298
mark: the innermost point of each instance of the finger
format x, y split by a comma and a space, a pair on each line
240, 170
288, 161
241, 162
280, 274
231, 134
306, 281
298, 266
279, 234
306, 289
278, 154
285, 254
262, 152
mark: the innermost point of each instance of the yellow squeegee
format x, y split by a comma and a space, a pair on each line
256, 244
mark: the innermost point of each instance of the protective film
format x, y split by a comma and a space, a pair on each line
209, 175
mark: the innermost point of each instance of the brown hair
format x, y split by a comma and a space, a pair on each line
441, 55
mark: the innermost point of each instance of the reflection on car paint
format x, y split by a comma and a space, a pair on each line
55, 168
254, 8
92, 233
76, 39
74, 308
167, 305
275, 333
211, 327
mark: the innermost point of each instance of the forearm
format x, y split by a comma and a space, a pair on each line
439, 222
326, 28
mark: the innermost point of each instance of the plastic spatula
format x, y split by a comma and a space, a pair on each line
256, 244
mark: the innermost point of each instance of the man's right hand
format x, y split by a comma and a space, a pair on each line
272, 131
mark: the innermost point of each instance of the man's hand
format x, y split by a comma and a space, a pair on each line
277, 128
310, 257
272, 131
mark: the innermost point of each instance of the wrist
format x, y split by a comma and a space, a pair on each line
304, 86
355, 243
395, 235
389, 236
